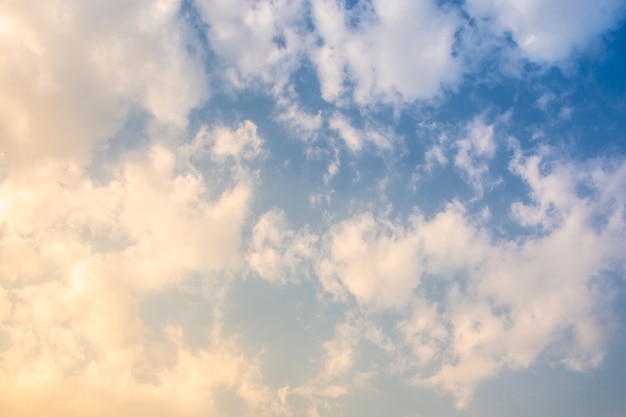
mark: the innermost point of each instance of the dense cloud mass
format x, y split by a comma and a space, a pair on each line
316, 208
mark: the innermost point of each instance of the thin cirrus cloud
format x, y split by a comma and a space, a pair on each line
310, 208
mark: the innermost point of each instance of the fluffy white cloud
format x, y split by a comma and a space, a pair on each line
91, 234
241, 144
378, 263
548, 31
255, 40
482, 304
398, 51
79, 250
277, 253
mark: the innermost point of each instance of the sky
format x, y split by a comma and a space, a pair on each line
298, 208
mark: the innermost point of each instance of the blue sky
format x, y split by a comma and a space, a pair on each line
312, 208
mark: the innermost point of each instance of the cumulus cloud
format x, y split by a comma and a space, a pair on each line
189, 387
255, 40
277, 253
111, 195
80, 250
377, 263
548, 31
394, 53
77, 258
390, 52
241, 144
504, 303
71, 72
471, 151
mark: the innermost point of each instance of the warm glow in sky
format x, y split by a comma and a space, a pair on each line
312, 208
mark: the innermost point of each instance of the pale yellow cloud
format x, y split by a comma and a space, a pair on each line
77, 258
71, 72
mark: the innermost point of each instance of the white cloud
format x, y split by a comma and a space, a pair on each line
378, 263
523, 296
277, 253
548, 31
435, 155
300, 123
81, 252
355, 139
333, 168
341, 370
240, 144
396, 52
482, 304
255, 40
474, 153
351, 136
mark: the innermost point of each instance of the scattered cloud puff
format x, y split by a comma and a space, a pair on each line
354, 139
277, 253
471, 151
474, 152
303, 125
241, 144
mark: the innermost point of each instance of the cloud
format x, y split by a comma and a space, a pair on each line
480, 303
190, 387
300, 123
399, 52
343, 368
376, 262
355, 139
548, 32
78, 257
255, 41
474, 153
130, 230
240, 144
277, 253
71, 74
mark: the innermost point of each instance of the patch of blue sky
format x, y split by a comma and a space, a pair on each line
283, 324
